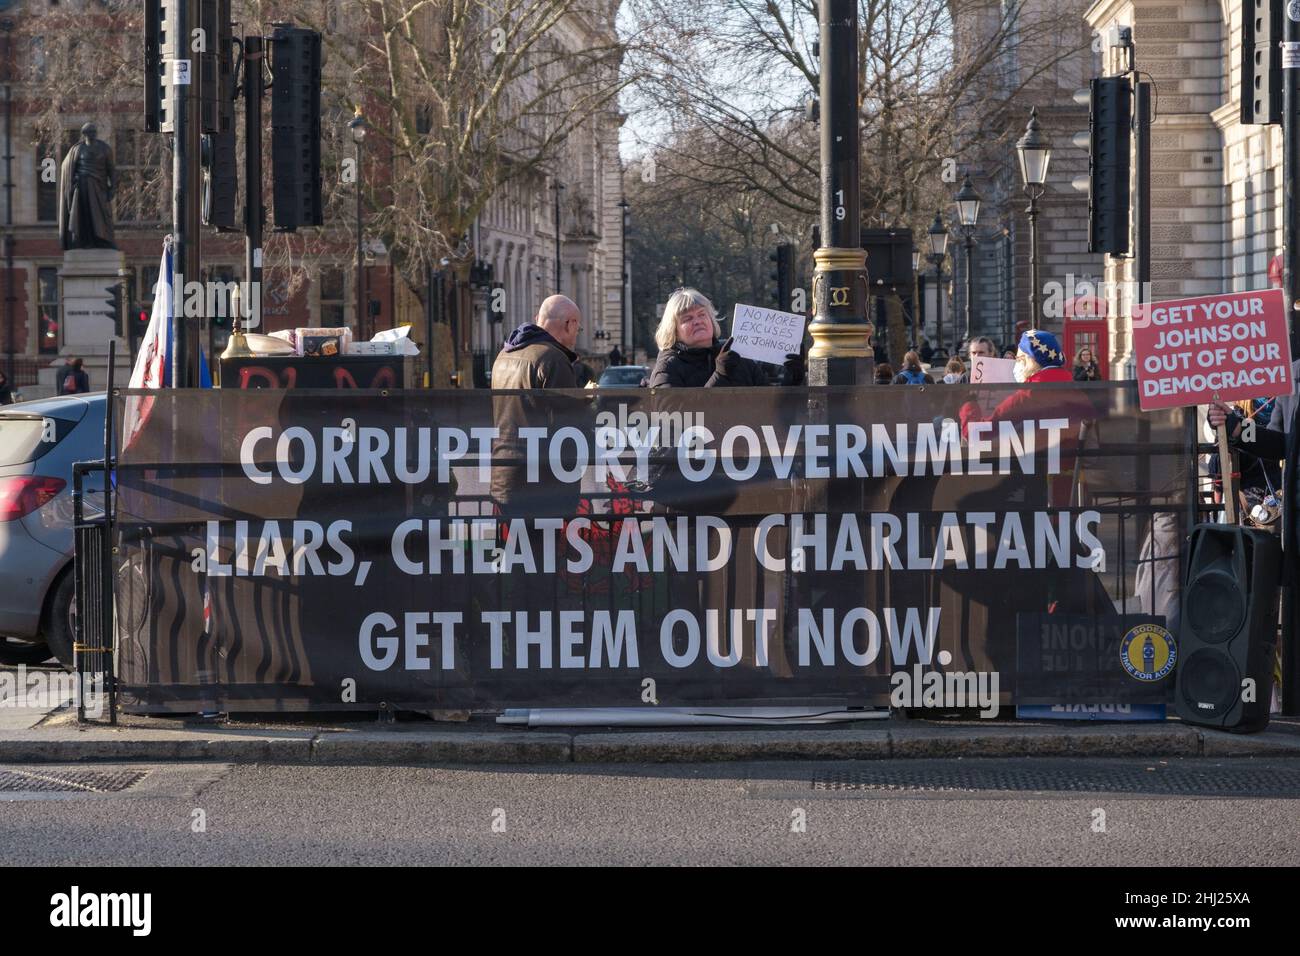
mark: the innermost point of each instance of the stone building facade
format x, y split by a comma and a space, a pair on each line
1048, 58
516, 234
1216, 184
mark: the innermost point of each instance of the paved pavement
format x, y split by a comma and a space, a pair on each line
1141, 812
24, 706
481, 741
48, 732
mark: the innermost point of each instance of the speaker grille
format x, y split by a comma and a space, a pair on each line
1210, 683
1216, 608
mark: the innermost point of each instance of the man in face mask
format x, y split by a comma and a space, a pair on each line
1040, 358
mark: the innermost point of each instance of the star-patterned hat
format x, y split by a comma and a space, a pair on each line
1043, 348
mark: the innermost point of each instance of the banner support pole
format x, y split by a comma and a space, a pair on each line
1225, 472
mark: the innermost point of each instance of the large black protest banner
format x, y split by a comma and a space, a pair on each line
292, 549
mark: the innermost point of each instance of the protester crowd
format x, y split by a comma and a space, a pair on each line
693, 353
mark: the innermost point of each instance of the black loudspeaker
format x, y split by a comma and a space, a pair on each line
1229, 627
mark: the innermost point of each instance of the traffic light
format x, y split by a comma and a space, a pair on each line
162, 47
1110, 136
209, 53
224, 304
1261, 62
152, 65
784, 275
295, 128
113, 308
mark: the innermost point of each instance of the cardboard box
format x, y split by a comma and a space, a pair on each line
371, 348
324, 343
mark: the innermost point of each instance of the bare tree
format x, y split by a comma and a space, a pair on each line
691, 230
78, 65
461, 97
743, 72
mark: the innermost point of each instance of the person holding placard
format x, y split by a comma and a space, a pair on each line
691, 355
1274, 442
980, 347
1040, 360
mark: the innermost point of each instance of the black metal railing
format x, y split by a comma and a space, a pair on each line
94, 629
92, 570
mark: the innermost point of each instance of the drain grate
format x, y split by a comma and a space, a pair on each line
69, 781
1227, 781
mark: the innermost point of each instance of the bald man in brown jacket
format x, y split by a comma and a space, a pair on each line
538, 355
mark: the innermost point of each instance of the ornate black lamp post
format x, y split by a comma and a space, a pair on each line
938, 239
841, 350
968, 213
625, 328
357, 127
916, 298
1035, 151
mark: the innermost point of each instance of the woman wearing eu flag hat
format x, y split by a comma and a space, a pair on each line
1041, 360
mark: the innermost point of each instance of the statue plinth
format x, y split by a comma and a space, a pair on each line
88, 277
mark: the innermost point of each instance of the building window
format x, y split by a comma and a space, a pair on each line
332, 298
39, 59
137, 190
47, 193
47, 307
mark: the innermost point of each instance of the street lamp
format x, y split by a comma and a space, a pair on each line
558, 187
1035, 151
625, 328
357, 127
841, 333
968, 213
917, 301
938, 239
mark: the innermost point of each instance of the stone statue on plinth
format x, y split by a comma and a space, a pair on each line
86, 182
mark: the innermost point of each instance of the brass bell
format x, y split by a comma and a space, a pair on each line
237, 346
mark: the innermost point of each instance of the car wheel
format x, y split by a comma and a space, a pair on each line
16, 651
60, 624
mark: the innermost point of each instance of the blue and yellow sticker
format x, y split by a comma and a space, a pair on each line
1148, 652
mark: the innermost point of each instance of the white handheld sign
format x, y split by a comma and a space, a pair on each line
766, 335
985, 370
